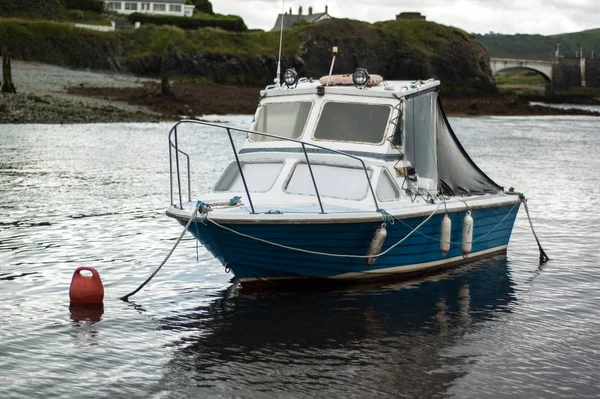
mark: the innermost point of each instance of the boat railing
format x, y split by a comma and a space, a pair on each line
189, 179
174, 155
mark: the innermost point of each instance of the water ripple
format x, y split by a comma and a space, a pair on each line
96, 194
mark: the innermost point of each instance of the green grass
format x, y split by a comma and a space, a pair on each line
521, 82
14, 29
151, 39
86, 17
225, 22
421, 35
421, 48
527, 78
583, 92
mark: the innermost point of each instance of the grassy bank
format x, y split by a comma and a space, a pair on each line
396, 49
521, 82
531, 86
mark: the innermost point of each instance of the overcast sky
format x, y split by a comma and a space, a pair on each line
546, 17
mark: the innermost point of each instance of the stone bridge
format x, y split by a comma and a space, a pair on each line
562, 73
544, 68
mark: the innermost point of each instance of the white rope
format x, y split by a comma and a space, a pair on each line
325, 253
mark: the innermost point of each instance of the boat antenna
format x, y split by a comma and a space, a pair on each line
334, 51
280, 43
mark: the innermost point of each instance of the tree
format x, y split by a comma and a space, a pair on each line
7, 84
204, 6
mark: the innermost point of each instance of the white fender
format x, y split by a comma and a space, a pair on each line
467, 234
376, 244
445, 234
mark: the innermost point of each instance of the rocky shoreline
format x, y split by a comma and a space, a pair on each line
48, 109
51, 95
43, 97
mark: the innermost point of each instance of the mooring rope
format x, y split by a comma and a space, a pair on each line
543, 257
189, 222
204, 209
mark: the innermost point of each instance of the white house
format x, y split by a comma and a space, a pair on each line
162, 7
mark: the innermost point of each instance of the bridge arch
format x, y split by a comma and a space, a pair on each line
544, 68
547, 78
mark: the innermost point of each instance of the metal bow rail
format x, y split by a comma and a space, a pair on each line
174, 152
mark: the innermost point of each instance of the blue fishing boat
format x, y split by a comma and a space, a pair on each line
346, 178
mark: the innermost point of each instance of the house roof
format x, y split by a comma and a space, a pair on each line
291, 19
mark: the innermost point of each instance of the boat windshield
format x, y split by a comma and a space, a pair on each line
361, 123
334, 181
260, 176
281, 119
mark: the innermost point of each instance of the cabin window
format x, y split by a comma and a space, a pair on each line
361, 123
281, 119
387, 190
332, 181
113, 5
260, 177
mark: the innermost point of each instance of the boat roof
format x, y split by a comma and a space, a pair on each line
387, 88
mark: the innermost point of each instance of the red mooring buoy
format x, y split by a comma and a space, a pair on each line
86, 289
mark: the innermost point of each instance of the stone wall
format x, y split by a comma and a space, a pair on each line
568, 73
592, 73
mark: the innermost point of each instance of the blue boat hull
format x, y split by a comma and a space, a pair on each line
251, 260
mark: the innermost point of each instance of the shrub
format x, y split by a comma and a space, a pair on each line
225, 22
88, 5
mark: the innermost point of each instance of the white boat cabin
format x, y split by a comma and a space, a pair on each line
389, 141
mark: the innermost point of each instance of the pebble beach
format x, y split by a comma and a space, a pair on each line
43, 97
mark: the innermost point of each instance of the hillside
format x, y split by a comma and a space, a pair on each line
395, 49
88, 11
32, 8
545, 46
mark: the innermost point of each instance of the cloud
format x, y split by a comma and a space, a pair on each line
474, 16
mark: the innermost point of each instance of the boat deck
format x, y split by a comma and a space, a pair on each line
338, 210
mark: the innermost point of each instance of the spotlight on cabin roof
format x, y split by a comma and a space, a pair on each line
290, 77
360, 77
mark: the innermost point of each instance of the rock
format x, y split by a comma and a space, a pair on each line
452, 56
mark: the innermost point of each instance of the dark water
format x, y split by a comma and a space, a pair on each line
96, 194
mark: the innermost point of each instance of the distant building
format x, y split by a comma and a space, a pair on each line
161, 7
410, 16
290, 19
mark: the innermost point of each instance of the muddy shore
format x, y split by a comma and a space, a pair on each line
49, 94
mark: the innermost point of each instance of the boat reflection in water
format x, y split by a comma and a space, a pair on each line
391, 339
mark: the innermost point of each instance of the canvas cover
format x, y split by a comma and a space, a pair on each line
446, 161
458, 174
